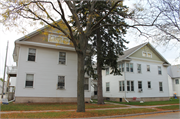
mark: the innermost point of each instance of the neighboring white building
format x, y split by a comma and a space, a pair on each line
46, 72
174, 79
144, 76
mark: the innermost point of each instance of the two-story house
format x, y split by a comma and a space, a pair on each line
144, 76
46, 68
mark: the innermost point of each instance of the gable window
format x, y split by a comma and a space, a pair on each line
139, 84
32, 54
127, 67
86, 84
159, 70
130, 85
61, 82
29, 80
139, 68
176, 81
62, 58
107, 71
121, 85
149, 54
149, 84
144, 54
160, 86
148, 68
107, 86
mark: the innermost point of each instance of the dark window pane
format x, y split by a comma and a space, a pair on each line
29, 84
31, 58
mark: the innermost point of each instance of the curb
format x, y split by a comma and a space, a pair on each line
115, 116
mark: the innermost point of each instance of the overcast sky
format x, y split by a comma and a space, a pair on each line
170, 53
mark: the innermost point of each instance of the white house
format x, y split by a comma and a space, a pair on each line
144, 76
174, 79
46, 68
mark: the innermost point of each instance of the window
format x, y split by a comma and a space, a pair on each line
127, 67
139, 84
86, 84
62, 58
160, 86
121, 85
29, 80
32, 54
61, 82
149, 54
107, 71
107, 86
176, 81
144, 54
139, 68
131, 67
149, 84
122, 67
159, 70
130, 85
148, 68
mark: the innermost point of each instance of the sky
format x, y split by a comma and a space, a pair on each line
170, 53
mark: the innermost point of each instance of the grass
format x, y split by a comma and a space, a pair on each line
51, 106
172, 107
172, 101
73, 114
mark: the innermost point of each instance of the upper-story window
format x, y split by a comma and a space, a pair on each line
159, 70
62, 58
148, 67
139, 68
176, 81
107, 71
146, 54
58, 39
32, 54
122, 67
129, 67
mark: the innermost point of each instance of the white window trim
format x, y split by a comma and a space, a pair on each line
64, 82
65, 57
50, 35
109, 86
146, 54
158, 70
33, 81
28, 54
162, 86
129, 85
141, 69
149, 68
122, 86
88, 84
150, 85
129, 68
175, 81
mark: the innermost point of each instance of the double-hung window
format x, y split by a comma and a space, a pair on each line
61, 82
107, 71
122, 67
107, 86
86, 84
121, 85
32, 54
29, 80
160, 86
127, 67
139, 84
148, 68
176, 81
130, 85
62, 58
149, 84
131, 67
159, 70
139, 68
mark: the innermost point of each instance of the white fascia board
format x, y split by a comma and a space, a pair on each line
45, 45
146, 60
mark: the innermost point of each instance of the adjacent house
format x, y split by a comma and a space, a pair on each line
174, 79
144, 76
46, 68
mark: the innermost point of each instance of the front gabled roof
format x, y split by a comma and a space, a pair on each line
133, 50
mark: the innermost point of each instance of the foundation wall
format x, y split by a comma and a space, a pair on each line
48, 100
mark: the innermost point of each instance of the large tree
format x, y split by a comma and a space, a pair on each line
49, 12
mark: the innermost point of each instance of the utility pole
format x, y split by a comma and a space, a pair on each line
4, 70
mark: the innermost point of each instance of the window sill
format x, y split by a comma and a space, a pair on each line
31, 61
60, 89
28, 88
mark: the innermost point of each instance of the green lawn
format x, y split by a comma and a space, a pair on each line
74, 114
172, 101
172, 107
49, 106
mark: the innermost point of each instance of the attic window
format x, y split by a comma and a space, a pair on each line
146, 54
58, 39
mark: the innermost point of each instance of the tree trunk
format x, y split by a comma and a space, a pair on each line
99, 68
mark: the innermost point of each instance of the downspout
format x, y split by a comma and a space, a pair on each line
125, 82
